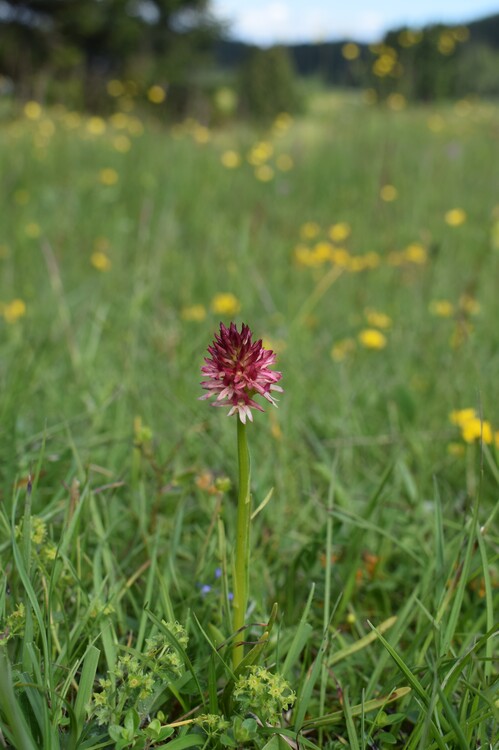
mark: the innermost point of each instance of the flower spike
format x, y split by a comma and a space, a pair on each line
238, 370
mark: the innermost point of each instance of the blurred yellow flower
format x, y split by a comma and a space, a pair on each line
416, 253
122, 143
201, 134
282, 122
436, 123
442, 308
372, 338
193, 313
135, 126
377, 319
119, 120
100, 261
304, 256
388, 193
115, 88
446, 43
260, 153
455, 217
264, 173
340, 231
32, 110
469, 304
309, 230
341, 349
322, 251
96, 126
350, 51
230, 159
21, 197
476, 429
14, 310
396, 102
459, 417
284, 162
225, 303
340, 256
33, 230
156, 94
108, 176
46, 128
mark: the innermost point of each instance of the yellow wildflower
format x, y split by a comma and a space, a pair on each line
340, 231
193, 313
21, 197
96, 126
455, 217
395, 101
476, 429
377, 319
225, 303
442, 308
201, 134
156, 94
14, 310
260, 153
264, 173
388, 193
372, 338
322, 251
33, 230
416, 253
284, 162
100, 261
469, 304
122, 143
108, 176
230, 159
115, 88
341, 349
283, 121
350, 51
32, 110
459, 417
304, 256
309, 230
436, 123
341, 257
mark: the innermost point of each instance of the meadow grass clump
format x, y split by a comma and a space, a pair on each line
373, 577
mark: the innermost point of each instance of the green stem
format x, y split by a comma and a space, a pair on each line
242, 556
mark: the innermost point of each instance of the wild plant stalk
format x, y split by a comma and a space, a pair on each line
242, 554
236, 371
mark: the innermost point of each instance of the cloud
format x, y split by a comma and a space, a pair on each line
279, 21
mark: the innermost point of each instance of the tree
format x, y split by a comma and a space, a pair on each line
267, 83
46, 40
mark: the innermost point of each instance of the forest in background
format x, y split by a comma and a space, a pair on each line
174, 56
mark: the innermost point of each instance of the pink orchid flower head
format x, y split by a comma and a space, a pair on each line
237, 370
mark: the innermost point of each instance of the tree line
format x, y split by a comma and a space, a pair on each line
69, 51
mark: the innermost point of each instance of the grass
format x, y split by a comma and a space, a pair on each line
117, 518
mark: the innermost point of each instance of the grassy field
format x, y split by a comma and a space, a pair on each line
362, 244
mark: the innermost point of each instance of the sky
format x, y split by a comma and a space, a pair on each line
267, 22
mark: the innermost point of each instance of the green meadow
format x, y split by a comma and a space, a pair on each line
361, 243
